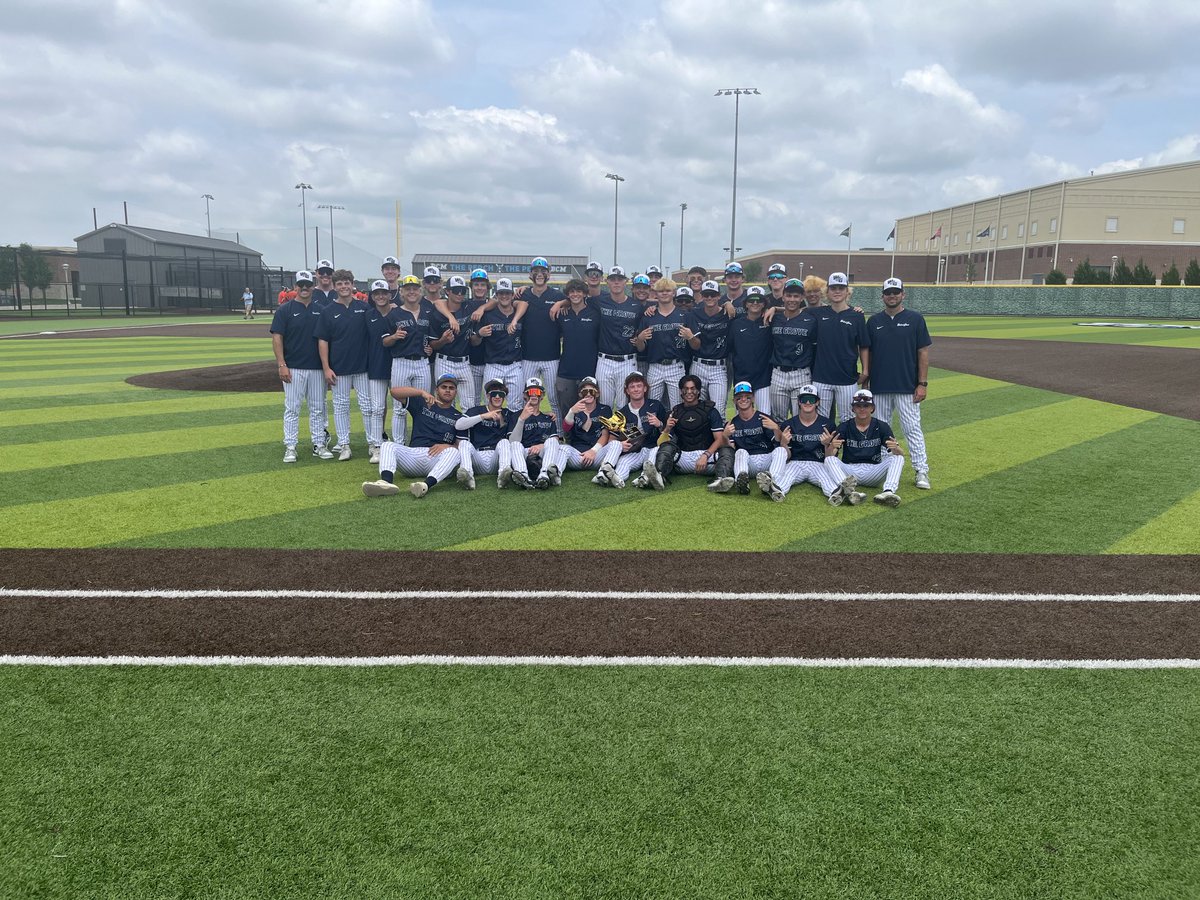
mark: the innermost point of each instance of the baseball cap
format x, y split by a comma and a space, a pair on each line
733, 269
893, 284
777, 270
480, 275
593, 266
653, 270
839, 279
807, 390
504, 286
410, 279
641, 279
539, 263
684, 291
324, 264
379, 285
444, 377
710, 287
863, 398
495, 385
433, 272
457, 281
635, 376
302, 275
589, 383
742, 387
755, 291
793, 285
616, 272
390, 261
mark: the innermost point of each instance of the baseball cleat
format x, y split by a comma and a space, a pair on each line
503, 478
521, 480
776, 494
653, 476
640, 482
555, 475
835, 499
289, 454
721, 485
742, 483
373, 459
418, 489
616, 480
888, 498
849, 483
600, 478
608, 474
855, 497
343, 453
765, 483
320, 451
923, 480
543, 482
379, 488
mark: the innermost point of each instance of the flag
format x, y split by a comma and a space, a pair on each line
987, 232
937, 234
891, 234
846, 233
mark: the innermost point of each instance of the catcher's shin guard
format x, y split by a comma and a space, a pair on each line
668, 455
723, 468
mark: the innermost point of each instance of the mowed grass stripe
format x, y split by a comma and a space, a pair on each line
133, 347
1175, 530
65, 383
90, 322
85, 415
158, 358
1042, 506
236, 414
120, 369
31, 396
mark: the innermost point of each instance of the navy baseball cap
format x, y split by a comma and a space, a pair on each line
496, 386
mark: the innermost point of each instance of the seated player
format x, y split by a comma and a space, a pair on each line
644, 418
527, 439
583, 438
804, 443
485, 445
694, 440
754, 437
870, 453
431, 451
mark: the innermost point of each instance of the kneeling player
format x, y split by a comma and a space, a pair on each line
431, 451
485, 446
644, 418
870, 453
805, 442
754, 437
583, 440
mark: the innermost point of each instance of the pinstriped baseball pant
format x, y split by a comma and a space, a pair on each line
406, 373
910, 424
306, 386
786, 473
563, 455
475, 460
665, 376
416, 461
835, 395
744, 462
886, 471
378, 388
714, 384
341, 405
547, 370
468, 393
625, 463
785, 392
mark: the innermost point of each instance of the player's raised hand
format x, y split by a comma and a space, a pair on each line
477, 315
399, 334
826, 436
893, 447
686, 333
729, 431
785, 437
652, 419
645, 334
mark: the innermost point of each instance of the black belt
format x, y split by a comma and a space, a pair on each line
790, 368
413, 357
508, 363
665, 362
456, 359
708, 362
618, 358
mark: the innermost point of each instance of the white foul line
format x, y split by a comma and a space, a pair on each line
859, 662
830, 596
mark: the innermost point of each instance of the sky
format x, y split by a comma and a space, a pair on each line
495, 124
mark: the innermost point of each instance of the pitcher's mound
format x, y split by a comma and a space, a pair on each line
257, 377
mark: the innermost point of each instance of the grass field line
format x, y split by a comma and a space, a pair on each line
820, 596
851, 662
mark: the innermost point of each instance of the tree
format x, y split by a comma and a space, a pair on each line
1191, 275
8, 267
753, 271
1142, 273
1084, 273
1171, 276
35, 271
970, 270
1056, 277
1122, 274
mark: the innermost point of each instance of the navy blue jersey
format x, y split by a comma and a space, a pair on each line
665, 343
619, 322
806, 439
792, 340
864, 446
379, 357
580, 342
536, 428
582, 439
487, 434
895, 341
542, 336
297, 322
500, 347
431, 424
839, 336
438, 324
750, 346
416, 329
696, 426
324, 298
648, 408
739, 302
345, 328
752, 435
713, 331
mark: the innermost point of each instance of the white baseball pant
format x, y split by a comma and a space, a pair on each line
762, 400
611, 375
835, 396
547, 370
886, 471
665, 376
910, 424
407, 373
341, 405
560, 453
686, 464
625, 463
475, 460
416, 461
519, 457
477, 374
467, 394
306, 386
510, 374
785, 473
714, 383
785, 392
378, 388
745, 464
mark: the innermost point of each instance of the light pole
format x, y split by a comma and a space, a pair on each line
67, 283
737, 101
801, 271
207, 217
302, 187
1112, 272
616, 180
682, 210
332, 248
941, 263
661, 226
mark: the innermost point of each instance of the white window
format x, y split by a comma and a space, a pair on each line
1054, 226
1020, 229
1004, 232
1033, 228
1110, 224
1177, 227
956, 239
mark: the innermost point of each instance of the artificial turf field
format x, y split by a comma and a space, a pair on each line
695, 781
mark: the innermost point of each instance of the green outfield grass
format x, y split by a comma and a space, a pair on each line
10, 325
1066, 329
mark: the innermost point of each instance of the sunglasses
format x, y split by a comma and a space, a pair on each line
458, 290
808, 401
533, 392
892, 292
497, 393
862, 403
433, 281
589, 392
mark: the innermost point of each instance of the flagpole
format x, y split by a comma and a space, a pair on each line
895, 239
848, 239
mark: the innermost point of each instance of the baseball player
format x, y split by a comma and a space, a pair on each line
379, 362
580, 325
900, 370
654, 273
431, 452
776, 276
541, 337
696, 277
792, 330
735, 280
648, 415
453, 346
707, 333
294, 340
431, 285
582, 443
805, 440
528, 436
390, 270
485, 446
480, 293
324, 291
814, 291
642, 287
662, 340
754, 437
841, 351
694, 440
408, 344
870, 453
593, 276
499, 332
342, 337
750, 345
620, 316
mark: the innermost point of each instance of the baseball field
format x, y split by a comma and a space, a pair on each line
227, 677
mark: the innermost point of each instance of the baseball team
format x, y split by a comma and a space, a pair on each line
609, 381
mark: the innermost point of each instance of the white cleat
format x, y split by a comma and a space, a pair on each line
849, 483
289, 454
765, 482
640, 482
343, 452
320, 451
555, 475
418, 489
835, 499
543, 482
854, 498
373, 459
379, 488
652, 475
721, 485
923, 480
888, 498
600, 478
503, 477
